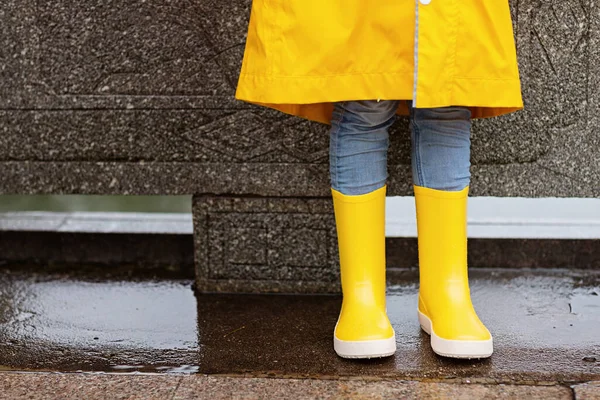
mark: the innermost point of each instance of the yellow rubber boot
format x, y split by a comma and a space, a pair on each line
363, 329
445, 308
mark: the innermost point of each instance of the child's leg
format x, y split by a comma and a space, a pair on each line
359, 144
441, 150
441, 139
358, 162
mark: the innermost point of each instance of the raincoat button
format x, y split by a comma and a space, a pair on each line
425, 2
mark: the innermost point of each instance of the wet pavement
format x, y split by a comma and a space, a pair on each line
546, 327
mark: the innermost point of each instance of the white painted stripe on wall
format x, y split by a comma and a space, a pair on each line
509, 218
488, 217
98, 222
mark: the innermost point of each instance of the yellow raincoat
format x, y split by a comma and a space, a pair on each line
302, 55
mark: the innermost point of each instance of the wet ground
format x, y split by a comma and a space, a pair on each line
546, 327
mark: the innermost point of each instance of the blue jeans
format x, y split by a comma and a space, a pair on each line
359, 144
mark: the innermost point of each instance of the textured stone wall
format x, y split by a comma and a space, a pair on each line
265, 245
136, 97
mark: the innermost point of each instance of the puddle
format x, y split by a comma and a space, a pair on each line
72, 325
586, 303
545, 326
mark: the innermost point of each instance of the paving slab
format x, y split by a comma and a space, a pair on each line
86, 386
545, 325
122, 386
221, 388
587, 391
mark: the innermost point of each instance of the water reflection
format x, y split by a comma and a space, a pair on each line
48, 322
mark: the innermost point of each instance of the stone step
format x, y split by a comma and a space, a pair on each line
288, 245
545, 325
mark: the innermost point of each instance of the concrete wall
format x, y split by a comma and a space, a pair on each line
136, 97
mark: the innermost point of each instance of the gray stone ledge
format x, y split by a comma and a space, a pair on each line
250, 244
282, 180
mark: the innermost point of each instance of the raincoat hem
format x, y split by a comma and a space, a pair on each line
313, 98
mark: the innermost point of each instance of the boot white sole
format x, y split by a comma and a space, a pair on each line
456, 348
365, 348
